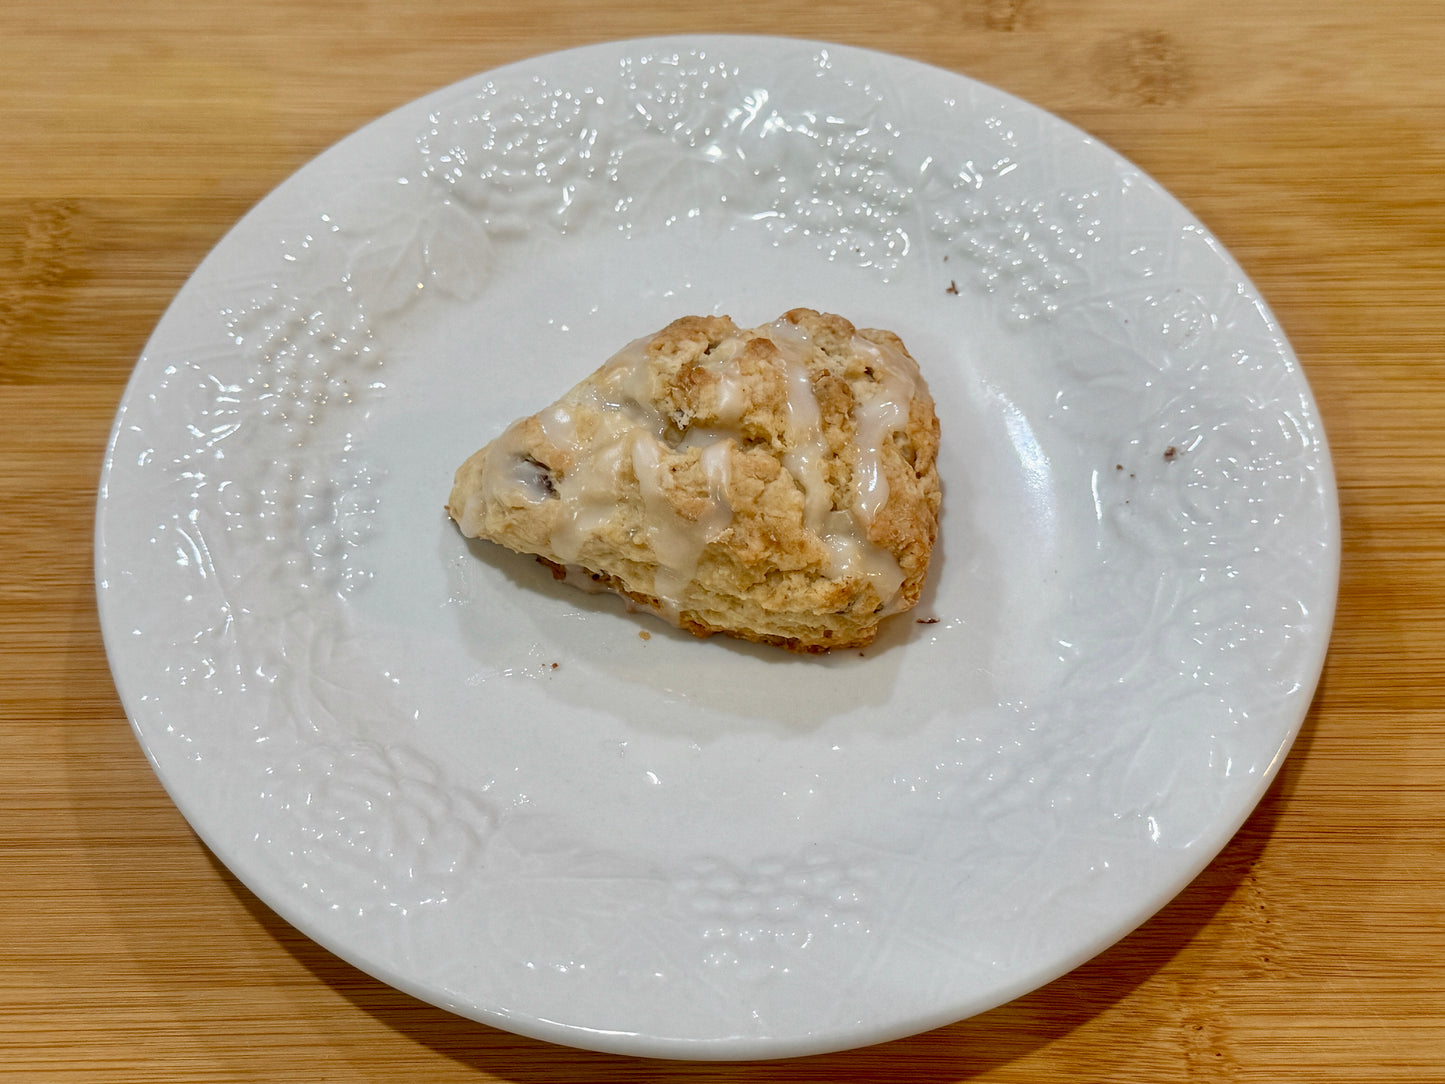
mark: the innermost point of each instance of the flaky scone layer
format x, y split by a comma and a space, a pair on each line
777, 483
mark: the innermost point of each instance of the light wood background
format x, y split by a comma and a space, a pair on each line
1308, 134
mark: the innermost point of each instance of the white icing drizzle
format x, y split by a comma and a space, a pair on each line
851, 552
677, 542
589, 498
807, 449
559, 426
732, 400
514, 471
632, 434
716, 462
875, 421
625, 378
627, 433
846, 534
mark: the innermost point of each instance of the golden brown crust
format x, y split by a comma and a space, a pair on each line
778, 483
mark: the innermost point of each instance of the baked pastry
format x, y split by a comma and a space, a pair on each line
777, 484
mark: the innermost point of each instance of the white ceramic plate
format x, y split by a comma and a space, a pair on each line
503, 796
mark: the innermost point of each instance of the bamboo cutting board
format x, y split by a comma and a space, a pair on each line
1310, 137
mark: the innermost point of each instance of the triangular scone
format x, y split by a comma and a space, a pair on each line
777, 484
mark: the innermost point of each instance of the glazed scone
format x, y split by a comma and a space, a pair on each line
776, 484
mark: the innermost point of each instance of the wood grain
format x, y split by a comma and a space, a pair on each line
1310, 136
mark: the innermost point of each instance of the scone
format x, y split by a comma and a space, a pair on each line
776, 484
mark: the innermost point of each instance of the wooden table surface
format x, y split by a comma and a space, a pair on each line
1309, 135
